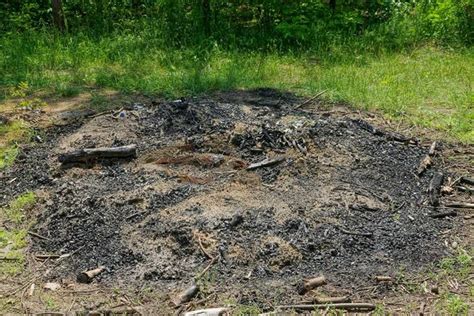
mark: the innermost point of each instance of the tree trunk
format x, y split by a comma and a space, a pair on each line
206, 16
332, 5
58, 15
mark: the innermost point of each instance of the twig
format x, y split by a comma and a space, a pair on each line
443, 214
265, 163
355, 233
200, 275
70, 307
311, 99
460, 205
38, 235
345, 306
204, 250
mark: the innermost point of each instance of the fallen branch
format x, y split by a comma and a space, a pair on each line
88, 276
90, 154
465, 189
460, 205
44, 257
265, 163
350, 307
311, 99
444, 214
435, 187
327, 300
309, 284
37, 235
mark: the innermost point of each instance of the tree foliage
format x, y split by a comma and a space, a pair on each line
253, 23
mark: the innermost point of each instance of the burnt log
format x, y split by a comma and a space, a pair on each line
88, 155
435, 187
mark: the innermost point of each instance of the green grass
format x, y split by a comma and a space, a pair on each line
15, 212
13, 238
10, 135
426, 86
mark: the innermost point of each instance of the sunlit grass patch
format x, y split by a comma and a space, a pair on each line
10, 134
15, 211
13, 238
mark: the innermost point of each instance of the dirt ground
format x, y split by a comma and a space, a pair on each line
342, 199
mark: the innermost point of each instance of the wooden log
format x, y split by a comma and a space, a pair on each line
350, 307
91, 154
435, 188
309, 284
88, 276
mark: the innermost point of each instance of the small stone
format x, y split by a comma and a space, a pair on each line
52, 286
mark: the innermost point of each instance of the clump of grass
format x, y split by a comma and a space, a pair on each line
10, 135
459, 265
15, 211
453, 304
13, 240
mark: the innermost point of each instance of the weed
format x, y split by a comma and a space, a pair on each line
453, 304
459, 265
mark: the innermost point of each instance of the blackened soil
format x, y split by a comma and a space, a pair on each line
345, 202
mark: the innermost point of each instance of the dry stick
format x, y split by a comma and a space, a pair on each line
37, 235
383, 278
45, 256
345, 306
464, 189
444, 214
467, 180
426, 162
355, 233
327, 300
204, 250
265, 163
311, 99
460, 205
200, 275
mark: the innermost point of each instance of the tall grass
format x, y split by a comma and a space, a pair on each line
428, 86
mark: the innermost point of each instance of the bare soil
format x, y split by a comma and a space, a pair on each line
344, 202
